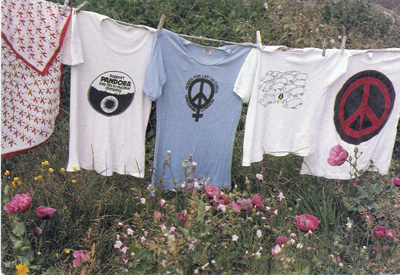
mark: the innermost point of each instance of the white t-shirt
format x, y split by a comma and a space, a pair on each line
109, 112
286, 91
362, 110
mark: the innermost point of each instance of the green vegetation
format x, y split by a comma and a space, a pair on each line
210, 237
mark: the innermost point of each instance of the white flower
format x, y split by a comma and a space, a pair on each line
267, 208
222, 207
280, 196
259, 176
299, 245
124, 249
143, 200
235, 237
163, 262
117, 244
142, 239
292, 235
207, 207
129, 231
292, 241
349, 223
171, 238
276, 212
259, 233
276, 250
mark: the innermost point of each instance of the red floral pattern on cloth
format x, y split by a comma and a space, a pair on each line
35, 30
31, 78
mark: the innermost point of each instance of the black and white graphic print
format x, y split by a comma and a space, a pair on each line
111, 93
200, 94
283, 88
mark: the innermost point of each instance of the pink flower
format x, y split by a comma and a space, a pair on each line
161, 203
36, 231
211, 190
236, 207
376, 249
259, 176
281, 241
380, 231
276, 250
19, 203
222, 199
307, 222
337, 156
390, 234
396, 181
257, 202
80, 257
44, 212
242, 206
181, 216
158, 215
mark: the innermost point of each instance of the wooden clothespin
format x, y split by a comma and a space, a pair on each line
323, 46
160, 25
258, 39
65, 6
343, 44
81, 6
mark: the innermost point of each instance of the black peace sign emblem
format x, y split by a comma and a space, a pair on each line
363, 106
200, 96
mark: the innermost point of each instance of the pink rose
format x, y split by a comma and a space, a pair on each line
396, 181
181, 216
307, 222
44, 212
380, 231
281, 241
390, 234
337, 156
211, 190
257, 202
19, 203
80, 257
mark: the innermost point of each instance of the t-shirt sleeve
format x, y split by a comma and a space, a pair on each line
156, 76
246, 78
71, 50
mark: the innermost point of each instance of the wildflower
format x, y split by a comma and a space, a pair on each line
62, 170
19, 183
16, 179
242, 205
19, 203
292, 241
172, 229
36, 231
349, 224
307, 222
161, 203
337, 156
380, 231
281, 241
211, 190
280, 196
74, 168
181, 216
124, 249
396, 181
143, 200
158, 215
259, 176
142, 239
207, 207
13, 185
129, 231
22, 269
390, 234
40, 177
235, 237
67, 251
74, 181
163, 263
80, 257
44, 163
171, 238
299, 246
276, 212
118, 244
221, 207
220, 198
51, 170
44, 212
257, 202
376, 249
276, 250
292, 235
6, 173
259, 233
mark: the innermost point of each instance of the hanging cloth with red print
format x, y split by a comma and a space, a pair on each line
32, 35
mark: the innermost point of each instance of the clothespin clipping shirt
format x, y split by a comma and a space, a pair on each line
323, 46
343, 44
65, 6
258, 39
81, 6
160, 25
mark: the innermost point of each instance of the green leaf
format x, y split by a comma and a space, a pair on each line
19, 229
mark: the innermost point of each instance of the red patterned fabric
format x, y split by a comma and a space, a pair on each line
32, 35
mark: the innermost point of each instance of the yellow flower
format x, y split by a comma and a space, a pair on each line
74, 181
36, 178
16, 179
13, 185
22, 269
20, 183
51, 170
40, 177
66, 251
74, 168
44, 163
62, 170
6, 173
56, 255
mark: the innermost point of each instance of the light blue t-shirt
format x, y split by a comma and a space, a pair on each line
197, 110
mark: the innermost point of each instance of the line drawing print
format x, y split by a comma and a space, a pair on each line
283, 88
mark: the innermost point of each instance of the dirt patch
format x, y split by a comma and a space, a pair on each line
392, 5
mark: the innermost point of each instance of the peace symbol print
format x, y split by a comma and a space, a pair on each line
200, 93
363, 106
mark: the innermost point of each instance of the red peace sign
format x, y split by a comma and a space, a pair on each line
363, 106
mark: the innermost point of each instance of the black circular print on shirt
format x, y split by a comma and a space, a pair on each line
363, 106
111, 93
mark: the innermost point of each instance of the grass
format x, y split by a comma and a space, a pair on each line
92, 209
